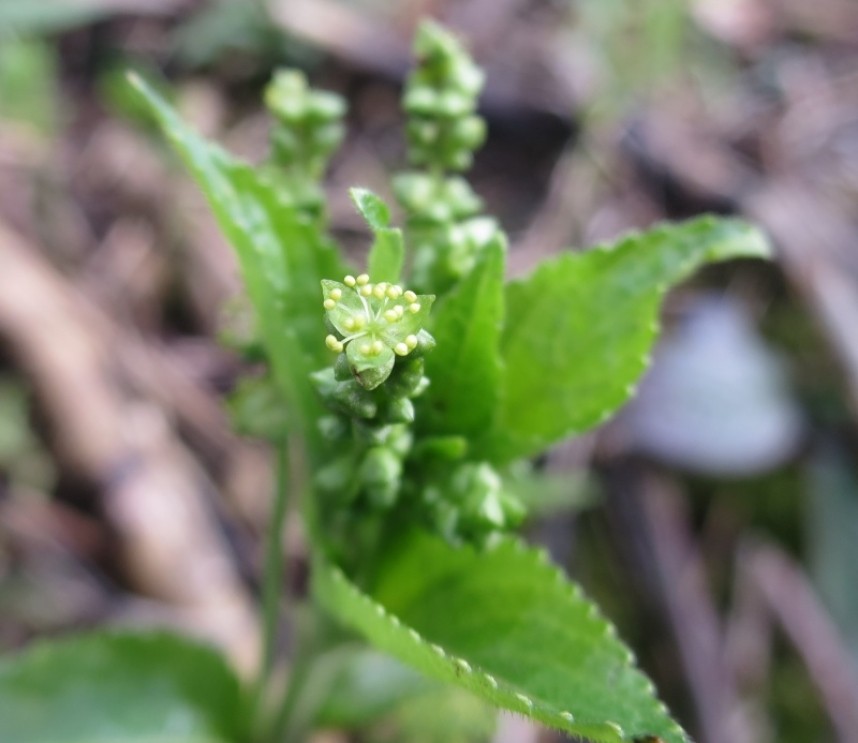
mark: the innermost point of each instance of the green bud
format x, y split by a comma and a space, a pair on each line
333, 427
371, 433
342, 370
446, 448
337, 477
380, 474
399, 410
408, 379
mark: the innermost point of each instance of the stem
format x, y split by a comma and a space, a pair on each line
272, 586
284, 729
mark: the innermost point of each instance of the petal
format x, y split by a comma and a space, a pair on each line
410, 323
347, 306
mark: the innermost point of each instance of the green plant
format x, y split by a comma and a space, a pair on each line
405, 415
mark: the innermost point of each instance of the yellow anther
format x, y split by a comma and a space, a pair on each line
359, 320
394, 291
400, 310
332, 343
377, 347
401, 349
336, 294
349, 280
329, 304
379, 290
391, 315
349, 323
410, 296
366, 290
411, 341
365, 349
363, 279
414, 308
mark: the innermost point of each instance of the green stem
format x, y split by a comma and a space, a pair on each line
272, 586
285, 729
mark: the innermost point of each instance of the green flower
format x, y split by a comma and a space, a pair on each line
375, 323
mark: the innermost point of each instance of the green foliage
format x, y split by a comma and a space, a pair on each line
22, 17
412, 440
440, 99
579, 330
118, 688
506, 625
28, 90
308, 125
282, 254
466, 365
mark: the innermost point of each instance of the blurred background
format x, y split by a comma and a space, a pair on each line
715, 519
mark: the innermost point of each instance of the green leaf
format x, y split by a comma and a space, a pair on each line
580, 329
372, 208
388, 251
119, 688
360, 684
29, 93
24, 17
465, 367
505, 624
282, 256
386, 255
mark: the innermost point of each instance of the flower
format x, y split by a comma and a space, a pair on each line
375, 323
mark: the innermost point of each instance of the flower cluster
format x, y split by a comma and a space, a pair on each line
440, 99
374, 323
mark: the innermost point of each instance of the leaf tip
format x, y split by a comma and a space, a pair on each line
371, 207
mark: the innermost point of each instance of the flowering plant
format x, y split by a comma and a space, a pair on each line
411, 414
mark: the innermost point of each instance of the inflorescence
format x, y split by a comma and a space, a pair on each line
373, 323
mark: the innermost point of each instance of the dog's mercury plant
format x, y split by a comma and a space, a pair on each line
410, 389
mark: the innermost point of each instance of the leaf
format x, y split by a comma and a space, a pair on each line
355, 687
360, 685
119, 688
465, 367
388, 251
386, 255
506, 625
580, 329
29, 93
372, 208
26, 18
282, 256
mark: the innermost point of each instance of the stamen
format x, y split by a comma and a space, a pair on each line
349, 280
377, 347
391, 315
365, 349
366, 290
363, 279
379, 290
329, 304
414, 308
400, 310
401, 349
411, 341
409, 296
336, 294
332, 343
394, 291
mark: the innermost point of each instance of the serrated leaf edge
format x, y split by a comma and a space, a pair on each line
501, 693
